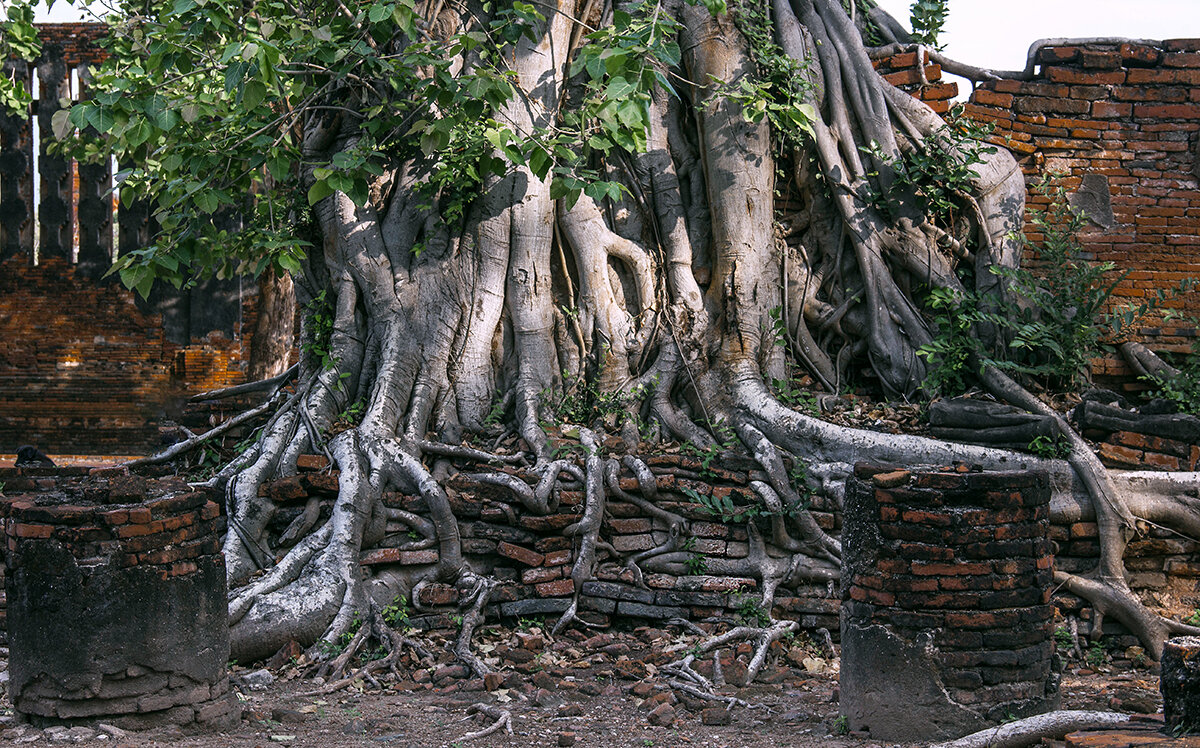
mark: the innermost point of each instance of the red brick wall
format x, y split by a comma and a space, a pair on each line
84, 371
1130, 113
78, 40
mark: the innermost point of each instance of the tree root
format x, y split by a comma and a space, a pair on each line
471, 619
1031, 730
502, 717
334, 670
765, 636
179, 448
261, 385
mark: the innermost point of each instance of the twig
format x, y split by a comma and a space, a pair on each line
188, 444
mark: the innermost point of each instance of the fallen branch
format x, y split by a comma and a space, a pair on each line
189, 444
1031, 730
248, 387
502, 716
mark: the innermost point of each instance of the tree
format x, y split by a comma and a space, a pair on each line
539, 214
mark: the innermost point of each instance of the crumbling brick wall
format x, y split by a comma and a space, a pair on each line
1125, 117
84, 370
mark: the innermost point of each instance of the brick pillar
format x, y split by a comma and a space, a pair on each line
946, 618
117, 613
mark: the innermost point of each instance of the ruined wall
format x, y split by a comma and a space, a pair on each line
1121, 121
118, 610
947, 601
85, 370
711, 575
85, 366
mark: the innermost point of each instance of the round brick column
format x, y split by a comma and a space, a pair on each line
118, 613
947, 625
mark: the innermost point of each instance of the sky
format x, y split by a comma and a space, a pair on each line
997, 33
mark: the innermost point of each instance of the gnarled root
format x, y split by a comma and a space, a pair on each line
334, 671
1031, 730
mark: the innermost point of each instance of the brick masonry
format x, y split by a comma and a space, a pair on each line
946, 583
530, 553
85, 367
116, 611
1129, 114
85, 370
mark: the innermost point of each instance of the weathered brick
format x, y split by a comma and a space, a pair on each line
556, 588
520, 553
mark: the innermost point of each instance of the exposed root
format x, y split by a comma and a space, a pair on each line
179, 448
377, 628
765, 636
1031, 730
728, 701
502, 717
471, 619
261, 385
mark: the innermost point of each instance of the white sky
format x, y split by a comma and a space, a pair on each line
997, 33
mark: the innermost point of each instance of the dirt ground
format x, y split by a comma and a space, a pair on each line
602, 690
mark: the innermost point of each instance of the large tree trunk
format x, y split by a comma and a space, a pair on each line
662, 301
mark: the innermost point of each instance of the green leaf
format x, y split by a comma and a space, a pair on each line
253, 94
318, 192
60, 124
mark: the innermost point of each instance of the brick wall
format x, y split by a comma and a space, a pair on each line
531, 553
84, 370
1128, 114
85, 367
137, 590
77, 40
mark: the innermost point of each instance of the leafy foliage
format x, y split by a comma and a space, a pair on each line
940, 171
781, 89
1184, 388
1059, 318
18, 39
927, 18
582, 400
207, 105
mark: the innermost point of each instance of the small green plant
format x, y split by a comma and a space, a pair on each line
722, 506
1184, 388
354, 412
1095, 655
528, 624
1050, 447
457, 620
841, 725
395, 614
1056, 318
1194, 618
696, 564
726, 440
318, 316
1063, 638
495, 414
582, 400
752, 612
